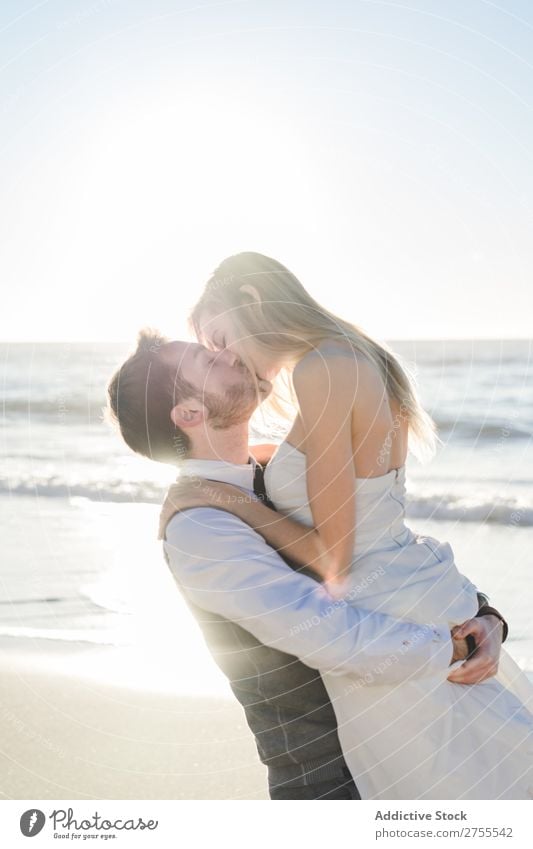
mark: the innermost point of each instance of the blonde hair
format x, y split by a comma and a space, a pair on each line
288, 321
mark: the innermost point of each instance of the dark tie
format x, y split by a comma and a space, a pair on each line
259, 486
260, 491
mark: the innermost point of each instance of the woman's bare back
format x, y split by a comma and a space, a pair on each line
379, 426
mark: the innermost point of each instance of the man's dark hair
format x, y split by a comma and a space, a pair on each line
141, 395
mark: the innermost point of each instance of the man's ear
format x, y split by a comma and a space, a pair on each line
188, 415
248, 289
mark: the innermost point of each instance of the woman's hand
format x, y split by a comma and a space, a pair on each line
263, 452
197, 492
460, 649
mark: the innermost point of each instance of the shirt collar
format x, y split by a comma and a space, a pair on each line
219, 470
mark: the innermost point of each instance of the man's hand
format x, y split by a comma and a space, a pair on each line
487, 632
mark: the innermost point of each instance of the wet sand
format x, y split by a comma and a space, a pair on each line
68, 733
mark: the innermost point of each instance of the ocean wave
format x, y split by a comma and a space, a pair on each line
498, 429
74, 605
84, 414
60, 409
69, 635
146, 492
492, 508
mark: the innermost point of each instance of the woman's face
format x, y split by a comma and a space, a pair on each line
217, 333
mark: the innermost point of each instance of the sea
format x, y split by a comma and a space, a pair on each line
80, 559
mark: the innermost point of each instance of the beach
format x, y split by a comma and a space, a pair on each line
107, 689
67, 732
151, 716
126, 702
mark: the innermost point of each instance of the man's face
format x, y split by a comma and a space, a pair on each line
217, 331
222, 384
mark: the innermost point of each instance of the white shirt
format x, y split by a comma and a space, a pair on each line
226, 567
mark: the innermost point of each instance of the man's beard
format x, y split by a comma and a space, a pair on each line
233, 408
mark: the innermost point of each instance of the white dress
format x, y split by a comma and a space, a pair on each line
425, 738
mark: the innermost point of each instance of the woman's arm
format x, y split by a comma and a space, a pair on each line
292, 540
327, 389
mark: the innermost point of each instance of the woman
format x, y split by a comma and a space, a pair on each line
339, 481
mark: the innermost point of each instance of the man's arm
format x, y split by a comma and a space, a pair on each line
224, 566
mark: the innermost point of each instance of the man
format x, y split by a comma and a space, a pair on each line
268, 626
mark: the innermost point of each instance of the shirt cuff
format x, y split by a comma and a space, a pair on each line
439, 648
427, 652
487, 610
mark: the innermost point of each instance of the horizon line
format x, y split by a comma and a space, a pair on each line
385, 338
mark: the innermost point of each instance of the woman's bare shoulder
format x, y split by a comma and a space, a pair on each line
338, 369
331, 352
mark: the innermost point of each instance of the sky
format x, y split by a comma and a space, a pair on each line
381, 150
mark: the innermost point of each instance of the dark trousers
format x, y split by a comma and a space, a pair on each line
336, 788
